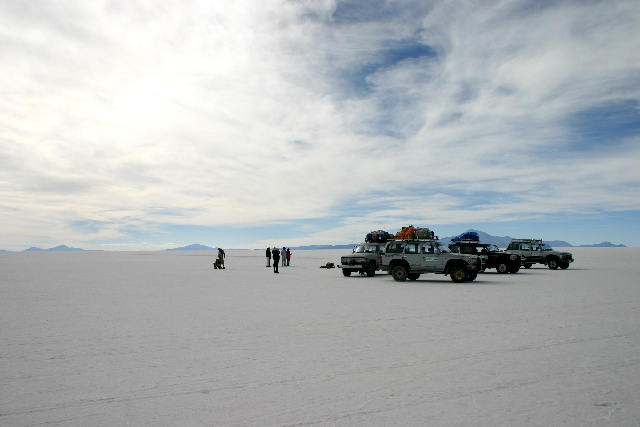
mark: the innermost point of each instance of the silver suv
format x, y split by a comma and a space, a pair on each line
365, 259
534, 251
408, 259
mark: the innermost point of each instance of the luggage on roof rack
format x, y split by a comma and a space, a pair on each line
469, 235
424, 233
406, 232
380, 236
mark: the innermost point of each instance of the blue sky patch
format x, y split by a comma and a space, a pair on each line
392, 54
362, 11
603, 127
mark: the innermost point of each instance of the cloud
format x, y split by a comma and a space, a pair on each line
137, 115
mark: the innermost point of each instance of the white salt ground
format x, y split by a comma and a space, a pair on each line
163, 339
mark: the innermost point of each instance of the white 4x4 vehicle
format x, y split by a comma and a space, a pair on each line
408, 259
536, 251
365, 259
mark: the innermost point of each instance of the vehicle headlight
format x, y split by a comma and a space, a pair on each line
514, 257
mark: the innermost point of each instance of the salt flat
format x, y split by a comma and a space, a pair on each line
163, 339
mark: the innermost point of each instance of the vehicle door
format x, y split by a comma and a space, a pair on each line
412, 255
430, 258
392, 250
536, 253
483, 253
525, 249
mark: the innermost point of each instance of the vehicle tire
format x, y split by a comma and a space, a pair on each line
471, 276
413, 276
552, 263
502, 267
399, 273
458, 274
563, 265
528, 265
346, 273
371, 269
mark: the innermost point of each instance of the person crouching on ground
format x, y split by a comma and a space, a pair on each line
276, 259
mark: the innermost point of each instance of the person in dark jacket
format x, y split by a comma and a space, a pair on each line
276, 259
268, 257
221, 256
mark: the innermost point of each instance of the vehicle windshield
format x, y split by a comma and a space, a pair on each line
493, 248
545, 247
441, 247
367, 249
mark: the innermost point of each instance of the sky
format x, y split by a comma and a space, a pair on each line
147, 125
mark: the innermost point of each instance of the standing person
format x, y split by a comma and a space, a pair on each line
221, 256
268, 257
284, 256
288, 256
276, 259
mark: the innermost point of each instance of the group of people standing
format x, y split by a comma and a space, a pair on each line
277, 255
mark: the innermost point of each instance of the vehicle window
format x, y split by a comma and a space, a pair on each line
525, 247
493, 248
442, 248
427, 248
411, 248
545, 247
360, 249
467, 250
455, 249
395, 248
535, 247
513, 247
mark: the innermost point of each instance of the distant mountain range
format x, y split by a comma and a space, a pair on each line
194, 247
63, 248
313, 247
601, 245
501, 242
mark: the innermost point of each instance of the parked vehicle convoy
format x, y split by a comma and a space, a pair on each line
409, 258
365, 259
492, 257
534, 251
